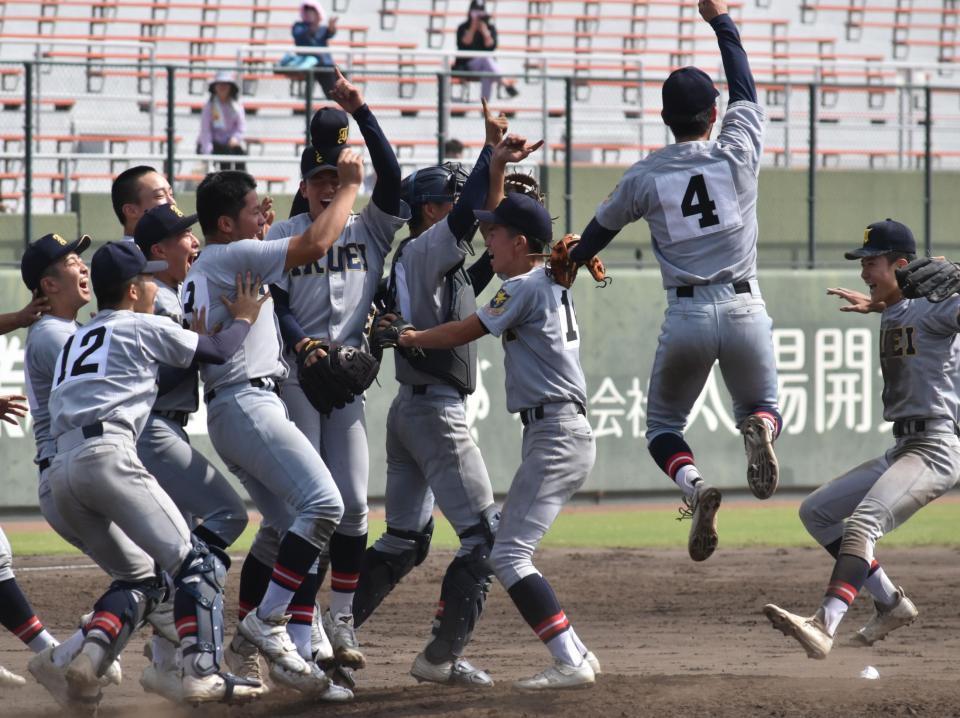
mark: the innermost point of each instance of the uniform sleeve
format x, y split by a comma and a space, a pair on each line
621, 207
164, 342
942, 318
510, 307
266, 259
379, 226
742, 129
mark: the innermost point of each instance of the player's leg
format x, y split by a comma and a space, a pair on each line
251, 431
344, 449
750, 373
16, 614
435, 431
558, 456
194, 484
686, 351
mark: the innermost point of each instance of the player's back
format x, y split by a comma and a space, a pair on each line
214, 274
700, 201
107, 371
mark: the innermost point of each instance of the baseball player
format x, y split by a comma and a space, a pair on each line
104, 385
920, 362
199, 490
331, 299
136, 190
699, 197
247, 422
430, 284
544, 385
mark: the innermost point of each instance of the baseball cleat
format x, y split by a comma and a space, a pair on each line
886, 619
83, 685
113, 675
219, 688
320, 646
458, 672
166, 684
50, 676
243, 660
559, 676
9, 679
342, 676
809, 632
343, 637
590, 658
271, 637
763, 471
702, 509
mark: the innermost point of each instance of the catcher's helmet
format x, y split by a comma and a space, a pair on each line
441, 183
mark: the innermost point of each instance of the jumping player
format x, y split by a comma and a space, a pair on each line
700, 199
920, 362
104, 385
331, 300
545, 385
247, 422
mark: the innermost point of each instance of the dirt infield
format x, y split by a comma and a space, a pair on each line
675, 639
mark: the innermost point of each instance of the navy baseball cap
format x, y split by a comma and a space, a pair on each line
159, 223
524, 214
329, 126
885, 237
118, 262
317, 159
688, 91
47, 250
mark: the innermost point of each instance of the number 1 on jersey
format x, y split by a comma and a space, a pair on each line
697, 201
569, 331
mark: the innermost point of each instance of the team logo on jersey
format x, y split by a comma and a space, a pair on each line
498, 302
342, 135
60, 240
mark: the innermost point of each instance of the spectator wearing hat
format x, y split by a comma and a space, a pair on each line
314, 30
479, 34
223, 123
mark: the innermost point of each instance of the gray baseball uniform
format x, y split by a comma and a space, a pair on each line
544, 384
331, 298
430, 452
104, 386
700, 200
248, 424
198, 489
920, 361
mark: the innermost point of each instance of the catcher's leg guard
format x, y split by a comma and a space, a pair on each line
381, 571
199, 607
116, 615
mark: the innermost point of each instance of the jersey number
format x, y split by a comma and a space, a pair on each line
571, 331
189, 293
92, 341
696, 201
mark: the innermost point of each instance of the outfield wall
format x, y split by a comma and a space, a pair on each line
829, 377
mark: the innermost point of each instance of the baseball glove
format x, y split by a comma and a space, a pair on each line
336, 378
385, 334
935, 279
563, 269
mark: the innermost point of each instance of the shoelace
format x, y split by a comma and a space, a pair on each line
686, 511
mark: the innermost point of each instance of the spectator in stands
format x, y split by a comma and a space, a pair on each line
313, 30
453, 149
479, 33
223, 123
134, 191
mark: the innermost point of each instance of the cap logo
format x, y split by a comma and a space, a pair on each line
866, 235
318, 158
176, 210
61, 240
342, 135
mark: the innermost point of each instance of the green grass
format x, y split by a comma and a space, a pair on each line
616, 526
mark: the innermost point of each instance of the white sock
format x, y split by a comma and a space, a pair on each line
687, 478
164, 653
341, 603
42, 641
833, 612
275, 601
770, 425
300, 635
564, 650
188, 662
577, 642
96, 651
881, 588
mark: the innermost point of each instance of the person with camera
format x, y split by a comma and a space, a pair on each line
479, 34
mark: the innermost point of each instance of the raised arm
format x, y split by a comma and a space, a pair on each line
326, 228
386, 191
735, 64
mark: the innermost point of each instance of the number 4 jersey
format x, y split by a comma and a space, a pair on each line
700, 200
107, 371
541, 341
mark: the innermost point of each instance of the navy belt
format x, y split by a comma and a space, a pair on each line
536, 413
259, 383
178, 417
739, 288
